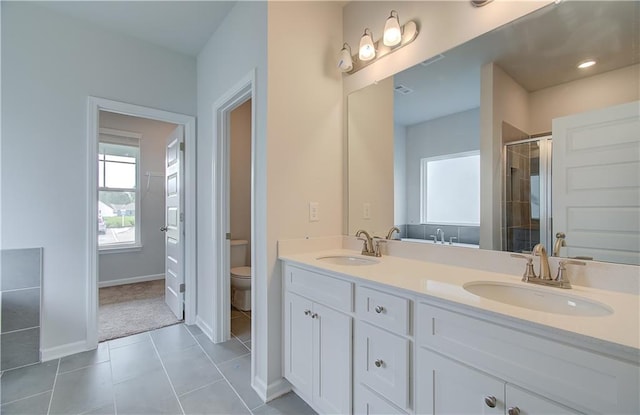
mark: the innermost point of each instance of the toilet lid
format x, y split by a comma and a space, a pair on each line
242, 272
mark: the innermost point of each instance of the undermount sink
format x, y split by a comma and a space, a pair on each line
347, 260
535, 298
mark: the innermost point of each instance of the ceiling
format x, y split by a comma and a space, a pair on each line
182, 26
538, 51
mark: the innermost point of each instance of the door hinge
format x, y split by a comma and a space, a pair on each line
182, 146
228, 236
181, 216
181, 288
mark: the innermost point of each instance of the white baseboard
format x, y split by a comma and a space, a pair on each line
64, 350
206, 329
271, 391
132, 280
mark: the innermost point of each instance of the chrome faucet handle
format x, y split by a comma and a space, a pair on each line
377, 243
561, 276
451, 238
529, 272
435, 238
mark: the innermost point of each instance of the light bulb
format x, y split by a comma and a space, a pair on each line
367, 51
392, 34
345, 63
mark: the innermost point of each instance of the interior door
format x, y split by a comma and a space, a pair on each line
596, 183
174, 220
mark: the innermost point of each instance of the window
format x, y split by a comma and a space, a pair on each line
118, 198
450, 189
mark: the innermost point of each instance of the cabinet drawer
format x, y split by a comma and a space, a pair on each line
385, 310
367, 402
575, 377
382, 363
327, 290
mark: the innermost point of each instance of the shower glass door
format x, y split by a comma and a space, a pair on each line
527, 194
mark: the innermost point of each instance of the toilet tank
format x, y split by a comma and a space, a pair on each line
238, 252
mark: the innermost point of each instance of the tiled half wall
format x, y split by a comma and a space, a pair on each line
20, 291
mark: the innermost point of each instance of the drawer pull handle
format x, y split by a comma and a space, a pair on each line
379, 309
314, 315
307, 312
514, 410
490, 401
379, 363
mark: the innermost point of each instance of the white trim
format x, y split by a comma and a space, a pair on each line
64, 350
119, 249
120, 133
206, 329
271, 391
94, 105
234, 97
130, 280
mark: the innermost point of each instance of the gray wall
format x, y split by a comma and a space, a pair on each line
149, 261
50, 64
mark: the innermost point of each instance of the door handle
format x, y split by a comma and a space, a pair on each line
164, 229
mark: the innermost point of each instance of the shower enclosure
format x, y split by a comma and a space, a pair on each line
526, 202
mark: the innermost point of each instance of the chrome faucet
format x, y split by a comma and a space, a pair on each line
391, 231
440, 234
545, 271
367, 247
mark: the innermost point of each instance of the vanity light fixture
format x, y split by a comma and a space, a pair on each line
367, 50
345, 63
392, 34
586, 64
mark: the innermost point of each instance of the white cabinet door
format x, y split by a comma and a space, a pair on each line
332, 360
448, 387
298, 346
530, 404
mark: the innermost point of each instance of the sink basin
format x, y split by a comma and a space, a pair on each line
539, 299
347, 260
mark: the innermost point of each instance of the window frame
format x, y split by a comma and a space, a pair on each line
423, 186
125, 138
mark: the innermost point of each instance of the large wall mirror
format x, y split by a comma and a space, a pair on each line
504, 142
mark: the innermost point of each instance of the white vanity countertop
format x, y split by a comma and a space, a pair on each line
622, 327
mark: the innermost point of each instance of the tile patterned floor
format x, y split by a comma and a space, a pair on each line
173, 370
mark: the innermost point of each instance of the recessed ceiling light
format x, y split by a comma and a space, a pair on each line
586, 64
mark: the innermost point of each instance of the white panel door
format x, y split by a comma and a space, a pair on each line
298, 343
530, 404
596, 183
332, 380
174, 220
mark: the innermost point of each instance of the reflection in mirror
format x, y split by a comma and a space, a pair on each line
508, 95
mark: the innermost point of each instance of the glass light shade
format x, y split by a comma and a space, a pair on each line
345, 63
367, 51
392, 34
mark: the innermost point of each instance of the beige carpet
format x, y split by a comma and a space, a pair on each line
133, 308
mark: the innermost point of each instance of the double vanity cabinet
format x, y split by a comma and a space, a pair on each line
355, 345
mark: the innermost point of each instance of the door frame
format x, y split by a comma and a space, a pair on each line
94, 106
232, 99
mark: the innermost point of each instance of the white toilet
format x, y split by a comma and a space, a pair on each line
240, 276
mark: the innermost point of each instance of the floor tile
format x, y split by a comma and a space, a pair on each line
222, 352
27, 381
247, 344
20, 309
109, 409
125, 341
35, 405
190, 369
150, 393
195, 330
173, 338
19, 348
82, 390
84, 359
235, 313
241, 328
134, 360
289, 404
238, 373
217, 398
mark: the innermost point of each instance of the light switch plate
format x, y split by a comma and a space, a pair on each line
366, 210
314, 214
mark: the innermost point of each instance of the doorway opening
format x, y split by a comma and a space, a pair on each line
132, 195
141, 190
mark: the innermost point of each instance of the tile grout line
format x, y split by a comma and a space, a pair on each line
153, 343
113, 389
28, 397
19, 330
203, 386
221, 373
53, 388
